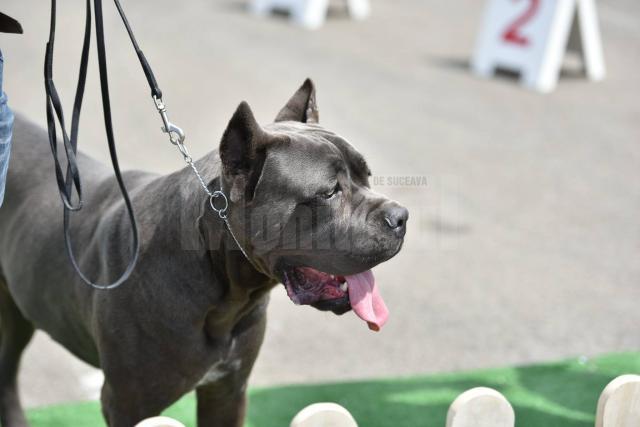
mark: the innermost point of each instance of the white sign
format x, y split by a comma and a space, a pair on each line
531, 37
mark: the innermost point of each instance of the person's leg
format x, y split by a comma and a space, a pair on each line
6, 128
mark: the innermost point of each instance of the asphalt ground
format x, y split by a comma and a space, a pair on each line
523, 243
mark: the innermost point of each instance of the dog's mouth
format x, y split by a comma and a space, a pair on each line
306, 285
339, 294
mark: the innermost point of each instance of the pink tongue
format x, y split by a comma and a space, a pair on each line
365, 300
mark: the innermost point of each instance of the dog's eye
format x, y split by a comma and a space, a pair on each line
330, 194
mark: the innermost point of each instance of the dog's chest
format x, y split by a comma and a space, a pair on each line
228, 364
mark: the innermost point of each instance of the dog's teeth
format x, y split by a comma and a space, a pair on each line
344, 287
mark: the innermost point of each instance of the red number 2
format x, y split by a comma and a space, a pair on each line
512, 33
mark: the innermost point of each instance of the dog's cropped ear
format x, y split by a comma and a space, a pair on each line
240, 150
240, 141
302, 106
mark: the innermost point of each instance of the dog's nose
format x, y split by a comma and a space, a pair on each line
396, 219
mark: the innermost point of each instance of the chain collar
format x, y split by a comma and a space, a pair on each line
177, 137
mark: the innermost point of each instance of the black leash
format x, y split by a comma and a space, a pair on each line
71, 179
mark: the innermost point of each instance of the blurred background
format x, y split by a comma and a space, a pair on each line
523, 243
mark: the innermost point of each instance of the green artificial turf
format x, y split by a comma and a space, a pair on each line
562, 394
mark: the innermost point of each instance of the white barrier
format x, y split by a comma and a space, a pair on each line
310, 14
618, 406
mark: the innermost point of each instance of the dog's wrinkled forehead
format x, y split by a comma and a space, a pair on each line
302, 131
314, 150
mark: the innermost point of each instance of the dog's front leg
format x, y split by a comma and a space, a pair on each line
122, 408
221, 404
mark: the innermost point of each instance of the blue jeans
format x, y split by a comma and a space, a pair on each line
6, 128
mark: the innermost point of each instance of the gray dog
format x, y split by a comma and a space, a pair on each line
192, 314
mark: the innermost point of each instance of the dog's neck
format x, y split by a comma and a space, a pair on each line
202, 235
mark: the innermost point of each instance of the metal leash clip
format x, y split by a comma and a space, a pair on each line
176, 135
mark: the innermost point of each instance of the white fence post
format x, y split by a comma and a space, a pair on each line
324, 415
619, 403
480, 407
160, 422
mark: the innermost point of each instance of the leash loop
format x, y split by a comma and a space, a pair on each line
70, 141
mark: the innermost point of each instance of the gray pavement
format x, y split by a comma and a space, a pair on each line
523, 246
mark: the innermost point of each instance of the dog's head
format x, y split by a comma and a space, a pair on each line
301, 200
